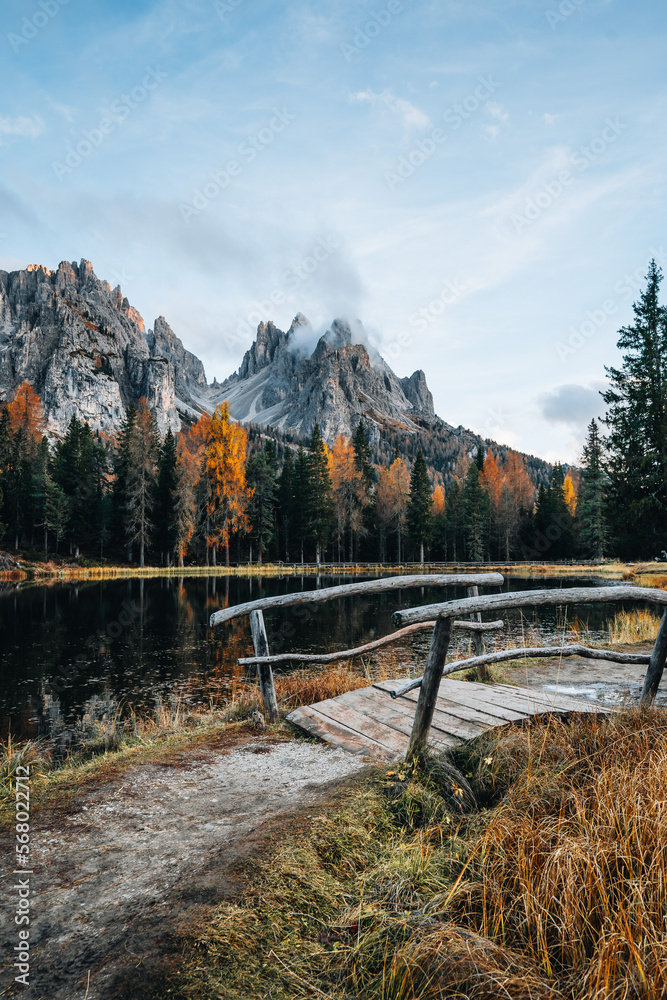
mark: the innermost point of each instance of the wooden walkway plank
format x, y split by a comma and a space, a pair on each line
369, 721
467, 706
363, 724
516, 698
450, 729
312, 722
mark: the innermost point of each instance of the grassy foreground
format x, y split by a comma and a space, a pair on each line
554, 885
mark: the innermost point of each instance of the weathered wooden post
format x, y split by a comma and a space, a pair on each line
428, 691
264, 672
478, 638
656, 666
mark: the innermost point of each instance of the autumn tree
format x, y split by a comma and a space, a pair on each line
228, 490
391, 504
439, 521
25, 412
350, 493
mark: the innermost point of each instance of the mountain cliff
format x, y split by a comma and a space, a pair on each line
86, 351
296, 379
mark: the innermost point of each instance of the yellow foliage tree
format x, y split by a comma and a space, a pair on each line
350, 496
393, 491
228, 492
25, 411
570, 493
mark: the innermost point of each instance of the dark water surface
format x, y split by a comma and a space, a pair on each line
70, 651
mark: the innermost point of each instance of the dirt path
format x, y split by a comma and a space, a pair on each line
125, 875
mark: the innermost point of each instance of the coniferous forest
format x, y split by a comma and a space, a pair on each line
220, 493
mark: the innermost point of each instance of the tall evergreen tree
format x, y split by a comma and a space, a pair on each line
319, 496
74, 472
637, 428
420, 506
287, 505
261, 477
592, 495
167, 499
474, 513
143, 453
121, 462
302, 495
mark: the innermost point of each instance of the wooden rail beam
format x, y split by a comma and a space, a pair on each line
347, 654
428, 692
264, 672
352, 589
530, 598
532, 652
656, 666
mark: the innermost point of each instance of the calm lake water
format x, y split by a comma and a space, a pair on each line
76, 651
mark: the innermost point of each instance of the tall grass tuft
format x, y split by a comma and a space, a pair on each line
639, 625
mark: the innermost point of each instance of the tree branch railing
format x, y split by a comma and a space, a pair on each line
446, 613
255, 609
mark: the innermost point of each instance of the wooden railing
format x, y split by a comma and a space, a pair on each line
445, 615
442, 618
255, 609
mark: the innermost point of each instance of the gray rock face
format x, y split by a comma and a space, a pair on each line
86, 351
286, 382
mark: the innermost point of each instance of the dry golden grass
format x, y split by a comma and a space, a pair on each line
640, 625
556, 889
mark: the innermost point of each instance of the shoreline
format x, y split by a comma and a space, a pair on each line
36, 572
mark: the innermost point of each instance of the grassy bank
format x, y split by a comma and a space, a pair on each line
551, 886
38, 571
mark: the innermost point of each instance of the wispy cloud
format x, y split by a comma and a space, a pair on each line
22, 125
410, 115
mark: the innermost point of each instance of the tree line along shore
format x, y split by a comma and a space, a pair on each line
218, 492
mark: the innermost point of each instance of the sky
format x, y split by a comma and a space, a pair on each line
481, 184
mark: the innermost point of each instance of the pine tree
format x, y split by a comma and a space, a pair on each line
592, 495
286, 501
637, 423
261, 477
319, 495
166, 499
420, 506
121, 461
143, 451
474, 514
74, 472
302, 495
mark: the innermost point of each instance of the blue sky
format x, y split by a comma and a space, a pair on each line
481, 184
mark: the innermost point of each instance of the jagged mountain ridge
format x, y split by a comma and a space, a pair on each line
284, 385
86, 351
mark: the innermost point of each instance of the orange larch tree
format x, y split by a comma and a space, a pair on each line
228, 491
391, 500
350, 495
26, 412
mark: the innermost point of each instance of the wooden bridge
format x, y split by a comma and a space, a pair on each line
395, 719
372, 723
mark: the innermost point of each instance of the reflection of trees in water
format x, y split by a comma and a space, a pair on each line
142, 639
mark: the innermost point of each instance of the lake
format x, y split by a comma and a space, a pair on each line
79, 650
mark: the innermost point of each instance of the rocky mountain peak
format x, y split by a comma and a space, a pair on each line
296, 379
85, 350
